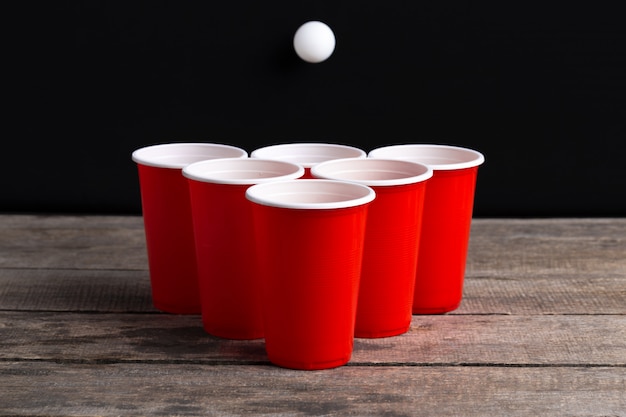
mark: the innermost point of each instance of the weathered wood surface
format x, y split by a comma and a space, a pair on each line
541, 331
72, 242
508, 293
480, 340
514, 266
53, 389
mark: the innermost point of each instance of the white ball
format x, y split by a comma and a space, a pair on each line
314, 41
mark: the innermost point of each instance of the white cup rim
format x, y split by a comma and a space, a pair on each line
377, 172
242, 171
316, 194
177, 155
438, 157
308, 153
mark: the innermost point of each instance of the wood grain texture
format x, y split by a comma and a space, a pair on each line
496, 245
129, 290
72, 242
541, 331
75, 290
547, 246
545, 266
51, 389
432, 340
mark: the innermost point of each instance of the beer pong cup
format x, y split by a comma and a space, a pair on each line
225, 247
446, 221
168, 223
310, 236
391, 239
308, 154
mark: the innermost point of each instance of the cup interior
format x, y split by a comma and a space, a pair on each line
179, 155
438, 157
242, 171
308, 154
310, 194
373, 171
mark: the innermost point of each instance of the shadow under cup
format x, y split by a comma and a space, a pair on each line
168, 224
310, 236
446, 221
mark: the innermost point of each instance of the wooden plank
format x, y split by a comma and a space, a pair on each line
63, 221
75, 290
481, 340
496, 245
508, 293
547, 246
541, 331
204, 390
508, 271
544, 293
72, 242
546, 266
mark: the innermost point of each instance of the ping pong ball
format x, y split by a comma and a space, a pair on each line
314, 41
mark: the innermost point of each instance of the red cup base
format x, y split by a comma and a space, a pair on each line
435, 310
381, 333
310, 366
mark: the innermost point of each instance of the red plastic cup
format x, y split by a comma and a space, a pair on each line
310, 236
168, 223
446, 221
391, 239
308, 154
225, 247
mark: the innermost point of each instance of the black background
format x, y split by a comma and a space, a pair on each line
538, 88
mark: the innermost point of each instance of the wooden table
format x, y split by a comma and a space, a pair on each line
541, 332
